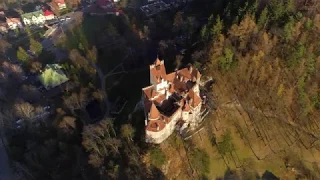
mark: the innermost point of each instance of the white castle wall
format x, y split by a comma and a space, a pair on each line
194, 119
159, 137
185, 115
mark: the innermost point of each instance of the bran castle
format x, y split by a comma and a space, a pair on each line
171, 100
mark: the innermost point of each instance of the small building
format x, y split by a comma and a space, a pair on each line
52, 76
33, 18
171, 99
61, 4
58, 4
14, 23
48, 15
103, 7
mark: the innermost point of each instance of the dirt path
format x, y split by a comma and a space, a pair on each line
102, 78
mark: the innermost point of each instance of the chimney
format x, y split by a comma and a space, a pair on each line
190, 69
145, 122
181, 78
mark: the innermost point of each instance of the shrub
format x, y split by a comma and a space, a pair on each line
200, 160
157, 157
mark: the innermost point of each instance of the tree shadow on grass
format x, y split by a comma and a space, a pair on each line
239, 174
267, 175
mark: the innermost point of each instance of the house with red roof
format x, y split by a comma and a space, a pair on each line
172, 99
60, 3
48, 15
14, 23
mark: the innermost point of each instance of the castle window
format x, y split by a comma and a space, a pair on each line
158, 67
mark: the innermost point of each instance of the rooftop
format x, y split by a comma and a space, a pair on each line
29, 15
52, 76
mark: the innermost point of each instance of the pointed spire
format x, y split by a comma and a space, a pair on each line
157, 61
154, 112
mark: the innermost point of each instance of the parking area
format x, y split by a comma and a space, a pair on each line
154, 8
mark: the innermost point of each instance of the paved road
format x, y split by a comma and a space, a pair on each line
5, 169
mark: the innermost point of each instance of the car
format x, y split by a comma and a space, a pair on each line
24, 78
19, 121
46, 107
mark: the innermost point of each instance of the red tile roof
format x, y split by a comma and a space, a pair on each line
149, 91
186, 107
155, 126
14, 20
170, 77
158, 72
47, 13
157, 61
158, 100
171, 88
194, 99
154, 112
59, 1
185, 73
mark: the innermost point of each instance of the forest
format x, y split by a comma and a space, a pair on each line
264, 60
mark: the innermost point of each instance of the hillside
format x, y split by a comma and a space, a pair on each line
266, 66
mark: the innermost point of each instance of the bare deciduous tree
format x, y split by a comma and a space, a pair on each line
67, 123
77, 100
24, 110
127, 132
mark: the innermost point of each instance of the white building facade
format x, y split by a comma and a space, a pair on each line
33, 18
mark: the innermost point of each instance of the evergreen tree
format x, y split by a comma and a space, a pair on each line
217, 28
204, 33
263, 18
35, 47
225, 62
22, 55
28, 31
277, 9
290, 6
252, 9
287, 30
